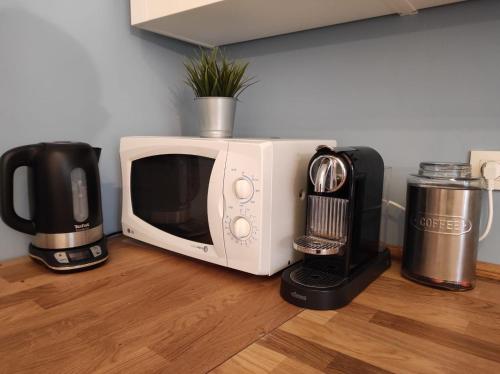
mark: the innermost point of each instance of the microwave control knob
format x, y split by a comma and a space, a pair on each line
243, 188
241, 228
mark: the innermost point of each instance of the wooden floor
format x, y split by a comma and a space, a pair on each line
149, 311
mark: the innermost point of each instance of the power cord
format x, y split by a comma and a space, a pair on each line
113, 234
394, 204
490, 171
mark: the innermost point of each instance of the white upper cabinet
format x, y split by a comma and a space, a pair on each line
218, 22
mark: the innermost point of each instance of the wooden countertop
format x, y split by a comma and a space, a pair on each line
148, 310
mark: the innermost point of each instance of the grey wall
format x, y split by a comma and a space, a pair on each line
75, 70
423, 87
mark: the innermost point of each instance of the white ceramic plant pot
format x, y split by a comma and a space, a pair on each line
216, 116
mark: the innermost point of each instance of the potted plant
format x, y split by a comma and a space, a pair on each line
217, 82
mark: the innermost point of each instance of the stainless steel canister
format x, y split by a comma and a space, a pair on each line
442, 226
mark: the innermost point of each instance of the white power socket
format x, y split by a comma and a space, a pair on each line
478, 158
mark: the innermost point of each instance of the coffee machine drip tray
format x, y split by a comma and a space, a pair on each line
310, 277
318, 246
314, 288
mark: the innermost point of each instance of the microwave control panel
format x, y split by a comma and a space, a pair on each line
242, 195
240, 220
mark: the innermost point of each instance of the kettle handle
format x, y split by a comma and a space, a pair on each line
9, 162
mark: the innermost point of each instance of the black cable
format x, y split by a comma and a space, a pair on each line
114, 233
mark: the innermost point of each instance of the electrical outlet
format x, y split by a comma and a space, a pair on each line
478, 158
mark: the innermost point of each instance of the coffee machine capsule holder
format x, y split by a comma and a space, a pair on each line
341, 248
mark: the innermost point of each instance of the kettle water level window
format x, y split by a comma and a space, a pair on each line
170, 192
79, 193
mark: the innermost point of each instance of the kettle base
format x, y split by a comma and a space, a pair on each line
69, 260
325, 291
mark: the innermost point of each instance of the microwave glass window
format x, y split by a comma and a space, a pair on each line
170, 193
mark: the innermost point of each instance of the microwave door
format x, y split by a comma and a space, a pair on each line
173, 197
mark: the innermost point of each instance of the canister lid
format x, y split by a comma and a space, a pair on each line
453, 170
445, 174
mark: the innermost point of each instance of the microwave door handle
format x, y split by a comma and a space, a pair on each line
215, 205
222, 207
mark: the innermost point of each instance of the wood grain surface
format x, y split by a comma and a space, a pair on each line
394, 326
144, 311
151, 311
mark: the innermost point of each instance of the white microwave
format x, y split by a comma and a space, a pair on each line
233, 202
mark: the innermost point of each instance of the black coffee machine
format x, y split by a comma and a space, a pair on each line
65, 203
341, 247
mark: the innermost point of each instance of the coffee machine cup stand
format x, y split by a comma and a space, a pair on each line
342, 254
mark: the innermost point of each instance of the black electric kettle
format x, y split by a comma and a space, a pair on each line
65, 203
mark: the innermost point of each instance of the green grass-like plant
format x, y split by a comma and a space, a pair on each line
211, 73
